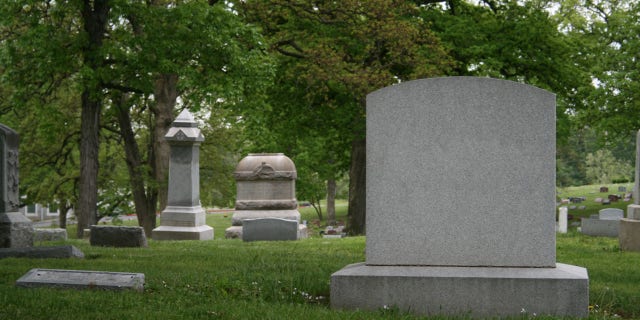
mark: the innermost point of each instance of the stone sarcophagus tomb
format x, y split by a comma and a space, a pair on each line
266, 189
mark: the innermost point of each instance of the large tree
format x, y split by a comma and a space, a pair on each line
332, 54
128, 62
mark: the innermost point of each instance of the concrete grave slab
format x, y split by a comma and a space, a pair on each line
81, 279
42, 252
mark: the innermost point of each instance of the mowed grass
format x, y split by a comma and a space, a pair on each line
231, 279
591, 192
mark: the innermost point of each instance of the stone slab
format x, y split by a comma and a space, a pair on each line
117, 236
431, 142
179, 216
49, 234
203, 232
629, 236
241, 215
455, 291
16, 230
600, 228
271, 229
42, 252
81, 279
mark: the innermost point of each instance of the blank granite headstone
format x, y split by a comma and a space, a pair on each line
81, 279
117, 236
16, 230
184, 217
269, 229
492, 255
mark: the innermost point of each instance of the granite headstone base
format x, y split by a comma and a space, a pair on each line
629, 236
59, 252
183, 223
203, 232
600, 227
454, 291
81, 279
16, 230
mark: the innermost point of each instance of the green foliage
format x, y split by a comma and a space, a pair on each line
603, 167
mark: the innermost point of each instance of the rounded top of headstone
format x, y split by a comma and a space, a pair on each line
265, 166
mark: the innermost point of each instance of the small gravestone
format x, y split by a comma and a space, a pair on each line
598, 200
622, 189
492, 255
81, 279
117, 236
269, 229
604, 189
611, 214
16, 230
184, 217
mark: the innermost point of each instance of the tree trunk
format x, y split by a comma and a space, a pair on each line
331, 201
165, 94
89, 148
95, 15
63, 208
357, 188
145, 201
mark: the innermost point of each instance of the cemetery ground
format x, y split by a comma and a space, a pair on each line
232, 279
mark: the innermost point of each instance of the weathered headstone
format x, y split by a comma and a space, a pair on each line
265, 190
184, 217
493, 254
82, 279
117, 236
16, 230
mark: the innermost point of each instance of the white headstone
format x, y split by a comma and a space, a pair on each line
562, 220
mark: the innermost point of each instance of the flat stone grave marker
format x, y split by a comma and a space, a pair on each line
269, 229
58, 252
81, 279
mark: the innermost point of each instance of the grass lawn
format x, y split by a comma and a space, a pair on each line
231, 279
